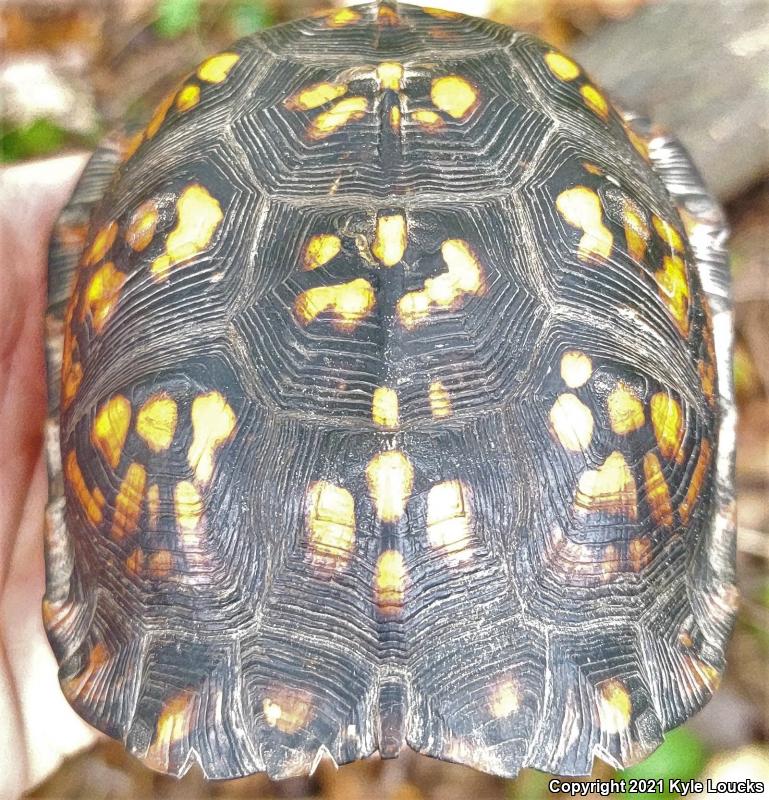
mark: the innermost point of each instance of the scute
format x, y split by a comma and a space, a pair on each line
394, 368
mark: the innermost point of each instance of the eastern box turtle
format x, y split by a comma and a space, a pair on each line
389, 404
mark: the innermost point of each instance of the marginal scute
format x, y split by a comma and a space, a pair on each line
595, 101
188, 97
561, 66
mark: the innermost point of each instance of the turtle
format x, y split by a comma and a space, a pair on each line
390, 405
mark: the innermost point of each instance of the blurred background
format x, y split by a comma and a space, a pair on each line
70, 69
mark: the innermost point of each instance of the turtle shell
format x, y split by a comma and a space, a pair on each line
390, 404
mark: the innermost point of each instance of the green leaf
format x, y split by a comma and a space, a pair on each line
175, 17
681, 755
36, 139
249, 16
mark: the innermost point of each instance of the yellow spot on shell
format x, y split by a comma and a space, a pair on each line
576, 368
340, 114
615, 708
216, 68
429, 120
188, 505
173, 726
668, 424
668, 234
156, 422
330, 524
350, 302
316, 95
199, 215
611, 487
704, 675
390, 74
657, 493
571, 422
674, 290
134, 563
320, 250
636, 229
595, 101
110, 428
640, 553
287, 711
92, 502
384, 407
696, 482
395, 120
188, 97
448, 520
505, 700
388, 16
390, 583
103, 294
440, 13
128, 503
160, 564
639, 144
159, 115
390, 478
581, 208
561, 66
342, 18
454, 95
626, 412
153, 506
213, 422
440, 401
391, 239
101, 244
463, 276
141, 228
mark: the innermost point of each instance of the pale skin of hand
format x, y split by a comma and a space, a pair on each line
37, 726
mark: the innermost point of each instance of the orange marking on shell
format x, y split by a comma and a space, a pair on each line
160, 564
110, 428
637, 231
349, 302
156, 422
343, 112
73, 687
388, 16
153, 506
440, 13
128, 503
101, 245
464, 276
217, 68
640, 553
705, 675
199, 216
639, 144
92, 502
173, 726
71, 368
696, 482
615, 708
611, 487
130, 145
213, 422
440, 400
316, 95
135, 562
674, 290
286, 710
159, 115
390, 583
626, 412
142, 226
188, 505
657, 492
102, 294
668, 423
668, 234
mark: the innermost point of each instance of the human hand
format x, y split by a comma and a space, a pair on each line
37, 726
